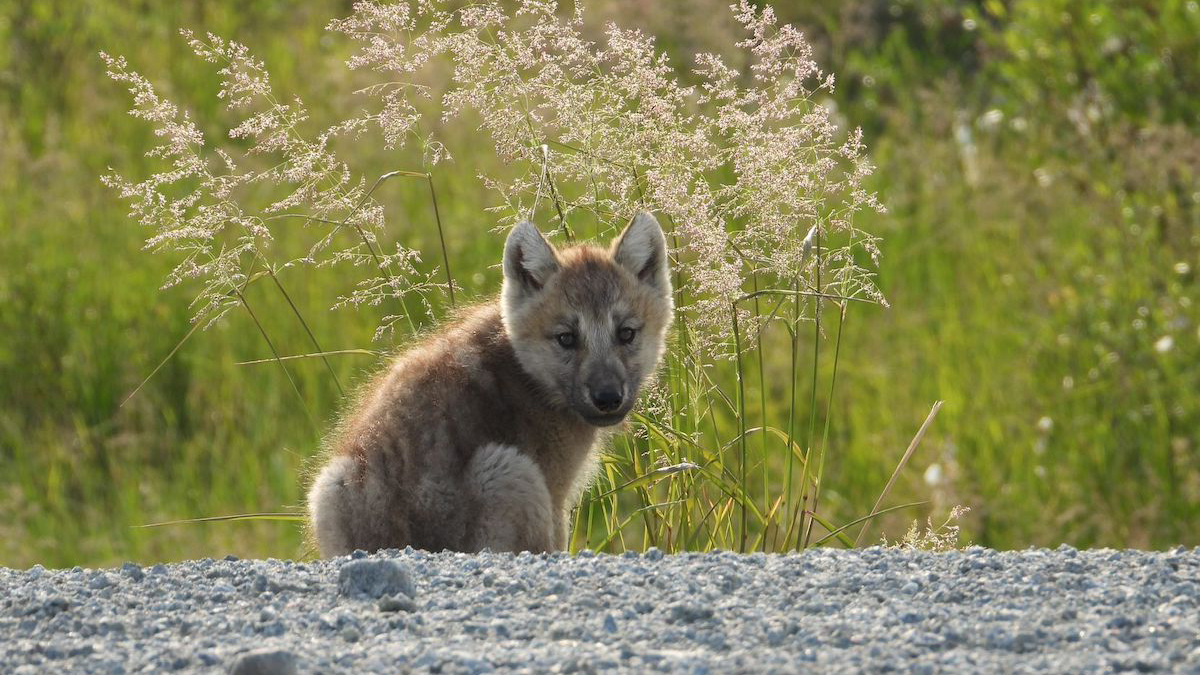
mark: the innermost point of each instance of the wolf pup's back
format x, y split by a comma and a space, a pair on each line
484, 434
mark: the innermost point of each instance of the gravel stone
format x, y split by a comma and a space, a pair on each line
373, 579
610, 624
132, 571
101, 581
265, 662
867, 610
397, 603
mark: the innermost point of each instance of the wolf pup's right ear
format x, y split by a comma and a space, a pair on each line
529, 260
642, 249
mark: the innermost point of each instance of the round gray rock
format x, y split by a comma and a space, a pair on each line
265, 662
368, 578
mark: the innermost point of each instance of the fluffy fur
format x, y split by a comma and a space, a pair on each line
484, 435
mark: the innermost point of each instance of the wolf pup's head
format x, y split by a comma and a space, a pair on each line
588, 323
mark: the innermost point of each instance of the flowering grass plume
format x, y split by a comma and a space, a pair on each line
939, 538
742, 164
208, 206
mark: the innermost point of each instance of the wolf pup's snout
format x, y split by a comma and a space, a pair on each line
607, 399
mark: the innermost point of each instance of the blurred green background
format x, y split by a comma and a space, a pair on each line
1039, 160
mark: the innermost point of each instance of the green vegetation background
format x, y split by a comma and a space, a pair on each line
1039, 160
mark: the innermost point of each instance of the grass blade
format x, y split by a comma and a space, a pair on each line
275, 352
168, 357
296, 517
741, 418
912, 447
650, 478
311, 337
837, 353
839, 532
195, 326
314, 355
442, 238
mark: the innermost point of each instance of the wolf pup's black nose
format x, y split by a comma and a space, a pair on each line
607, 400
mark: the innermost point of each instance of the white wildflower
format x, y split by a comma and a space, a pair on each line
1164, 344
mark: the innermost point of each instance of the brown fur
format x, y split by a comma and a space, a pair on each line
483, 434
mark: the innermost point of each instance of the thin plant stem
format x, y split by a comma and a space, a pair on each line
640, 490
762, 401
576, 519
812, 404
367, 240
840, 532
320, 355
311, 337
562, 218
794, 332
837, 351
548, 177
586, 153
437, 214
592, 172
275, 353
741, 399
191, 331
637, 182
272, 515
807, 294
171, 354
912, 447
587, 538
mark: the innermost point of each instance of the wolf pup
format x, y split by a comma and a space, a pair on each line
484, 434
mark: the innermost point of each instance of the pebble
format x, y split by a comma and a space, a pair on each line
265, 662
373, 579
102, 580
397, 603
132, 571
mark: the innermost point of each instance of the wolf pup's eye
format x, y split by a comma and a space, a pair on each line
626, 334
565, 340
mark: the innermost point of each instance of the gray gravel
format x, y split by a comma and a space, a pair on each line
824, 610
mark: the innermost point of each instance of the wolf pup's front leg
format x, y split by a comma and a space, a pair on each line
516, 512
484, 435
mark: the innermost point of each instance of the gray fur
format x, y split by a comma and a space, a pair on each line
484, 435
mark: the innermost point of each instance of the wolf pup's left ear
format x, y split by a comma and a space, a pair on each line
642, 249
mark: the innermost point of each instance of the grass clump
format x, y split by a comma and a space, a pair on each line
935, 538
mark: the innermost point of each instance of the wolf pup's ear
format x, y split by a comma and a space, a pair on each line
642, 249
529, 260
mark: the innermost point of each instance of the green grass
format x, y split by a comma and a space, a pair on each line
1013, 299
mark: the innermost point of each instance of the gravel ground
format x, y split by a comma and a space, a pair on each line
824, 610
